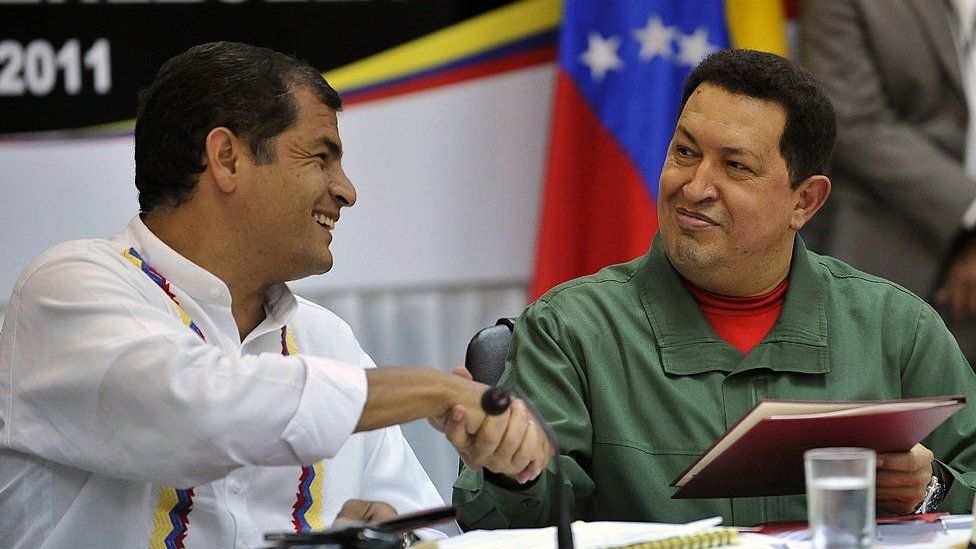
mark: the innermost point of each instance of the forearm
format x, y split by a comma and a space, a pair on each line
399, 395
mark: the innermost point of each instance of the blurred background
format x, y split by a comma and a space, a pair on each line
498, 148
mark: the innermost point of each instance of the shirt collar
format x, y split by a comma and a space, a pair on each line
195, 281
796, 342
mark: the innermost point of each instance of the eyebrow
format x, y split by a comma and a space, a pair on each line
725, 150
681, 129
334, 148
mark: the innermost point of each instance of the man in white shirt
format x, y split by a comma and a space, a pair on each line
164, 387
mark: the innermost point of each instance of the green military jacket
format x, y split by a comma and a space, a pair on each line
637, 385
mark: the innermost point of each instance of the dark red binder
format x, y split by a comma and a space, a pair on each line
762, 454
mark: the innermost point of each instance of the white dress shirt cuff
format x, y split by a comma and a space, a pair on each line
331, 403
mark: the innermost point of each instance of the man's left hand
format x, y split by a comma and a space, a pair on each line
902, 478
355, 511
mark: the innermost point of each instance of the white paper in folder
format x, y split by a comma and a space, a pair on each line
587, 535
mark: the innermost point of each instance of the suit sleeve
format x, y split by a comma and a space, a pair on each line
543, 362
899, 166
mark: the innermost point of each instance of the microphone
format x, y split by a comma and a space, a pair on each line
494, 402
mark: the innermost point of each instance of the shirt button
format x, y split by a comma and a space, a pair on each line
214, 293
236, 488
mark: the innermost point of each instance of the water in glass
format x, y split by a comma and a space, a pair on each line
845, 500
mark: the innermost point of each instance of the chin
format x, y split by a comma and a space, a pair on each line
324, 265
686, 253
311, 268
320, 268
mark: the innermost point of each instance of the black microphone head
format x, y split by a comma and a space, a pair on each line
496, 400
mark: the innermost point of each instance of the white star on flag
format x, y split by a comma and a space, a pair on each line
601, 55
655, 39
695, 47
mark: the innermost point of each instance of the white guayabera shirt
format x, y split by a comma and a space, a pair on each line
121, 427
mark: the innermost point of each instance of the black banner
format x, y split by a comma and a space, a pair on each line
74, 64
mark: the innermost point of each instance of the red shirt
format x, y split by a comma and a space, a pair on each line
740, 321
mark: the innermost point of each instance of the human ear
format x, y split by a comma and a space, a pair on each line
809, 198
223, 154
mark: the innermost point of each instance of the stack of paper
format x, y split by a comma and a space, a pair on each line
596, 535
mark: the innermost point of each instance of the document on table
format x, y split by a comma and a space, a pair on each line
949, 531
587, 535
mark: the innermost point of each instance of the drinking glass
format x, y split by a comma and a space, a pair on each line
840, 497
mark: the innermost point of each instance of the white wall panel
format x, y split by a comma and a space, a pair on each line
448, 184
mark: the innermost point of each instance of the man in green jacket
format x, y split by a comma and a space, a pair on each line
640, 367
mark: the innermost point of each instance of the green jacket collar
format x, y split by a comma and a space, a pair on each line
797, 342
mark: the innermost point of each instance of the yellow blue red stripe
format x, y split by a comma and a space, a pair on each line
511, 37
171, 520
307, 511
172, 517
133, 256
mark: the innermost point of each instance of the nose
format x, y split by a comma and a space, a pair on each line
342, 190
700, 187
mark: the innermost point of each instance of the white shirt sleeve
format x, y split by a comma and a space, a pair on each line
393, 474
100, 375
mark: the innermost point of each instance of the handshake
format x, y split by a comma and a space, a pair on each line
511, 443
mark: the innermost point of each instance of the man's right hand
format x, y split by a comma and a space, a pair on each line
468, 397
510, 444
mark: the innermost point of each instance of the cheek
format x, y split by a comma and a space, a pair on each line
757, 220
669, 183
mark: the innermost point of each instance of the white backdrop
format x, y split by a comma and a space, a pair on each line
440, 242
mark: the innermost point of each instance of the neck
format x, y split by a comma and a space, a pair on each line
739, 287
757, 276
179, 229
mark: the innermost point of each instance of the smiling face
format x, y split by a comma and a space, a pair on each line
293, 202
727, 213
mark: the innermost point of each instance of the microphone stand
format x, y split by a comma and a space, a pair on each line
494, 402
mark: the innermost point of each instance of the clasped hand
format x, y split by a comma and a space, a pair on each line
511, 443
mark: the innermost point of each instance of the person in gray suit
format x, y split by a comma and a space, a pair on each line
901, 190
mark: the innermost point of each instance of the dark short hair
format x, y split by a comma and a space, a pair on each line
811, 126
247, 89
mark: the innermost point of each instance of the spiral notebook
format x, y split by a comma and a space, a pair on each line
600, 535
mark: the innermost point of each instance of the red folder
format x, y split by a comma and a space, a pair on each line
762, 454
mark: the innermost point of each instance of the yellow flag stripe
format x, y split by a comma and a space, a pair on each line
757, 25
478, 34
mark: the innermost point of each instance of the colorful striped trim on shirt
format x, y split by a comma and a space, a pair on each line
307, 512
133, 256
172, 516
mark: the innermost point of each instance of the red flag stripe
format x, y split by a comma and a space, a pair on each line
596, 209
